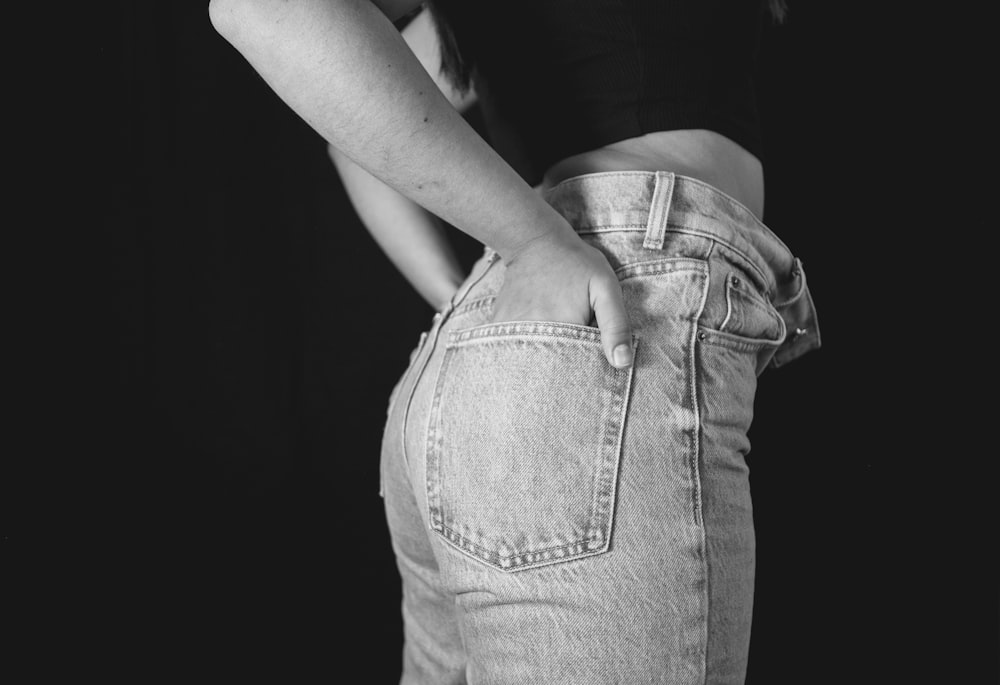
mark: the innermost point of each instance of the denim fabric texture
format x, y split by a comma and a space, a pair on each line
558, 520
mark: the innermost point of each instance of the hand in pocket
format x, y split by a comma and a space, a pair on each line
560, 278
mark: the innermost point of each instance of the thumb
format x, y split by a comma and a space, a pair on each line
609, 310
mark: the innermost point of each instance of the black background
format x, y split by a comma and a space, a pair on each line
252, 330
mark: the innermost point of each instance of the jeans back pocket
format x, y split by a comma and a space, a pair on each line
524, 443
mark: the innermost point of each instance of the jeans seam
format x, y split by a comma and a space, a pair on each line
732, 293
413, 389
729, 305
658, 266
440, 318
715, 238
523, 332
735, 342
696, 471
472, 305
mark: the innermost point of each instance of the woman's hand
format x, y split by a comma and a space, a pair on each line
345, 69
559, 277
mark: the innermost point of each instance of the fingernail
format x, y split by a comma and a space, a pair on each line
623, 355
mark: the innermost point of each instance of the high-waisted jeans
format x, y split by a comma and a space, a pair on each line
558, 520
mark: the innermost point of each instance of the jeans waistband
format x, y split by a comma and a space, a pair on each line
660, 202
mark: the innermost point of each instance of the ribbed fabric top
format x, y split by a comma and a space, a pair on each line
559, 77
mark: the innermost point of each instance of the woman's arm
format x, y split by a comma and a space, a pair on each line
344, 68
413, 238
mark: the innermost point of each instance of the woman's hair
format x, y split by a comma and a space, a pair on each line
777, 8
458, 68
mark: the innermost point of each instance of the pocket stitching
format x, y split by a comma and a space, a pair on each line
734, 341
656, 267
747, 298
602, 506
800, 274
472, 305
464, 541
513, 330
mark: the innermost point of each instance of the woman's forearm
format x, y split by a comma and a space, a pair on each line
412, 238
343, 67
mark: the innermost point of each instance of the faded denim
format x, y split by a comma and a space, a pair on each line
558, 520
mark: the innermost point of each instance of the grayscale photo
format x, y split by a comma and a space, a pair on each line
548, 342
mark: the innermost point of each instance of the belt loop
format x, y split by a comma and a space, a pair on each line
659, 210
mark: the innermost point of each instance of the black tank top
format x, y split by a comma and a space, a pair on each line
560, 77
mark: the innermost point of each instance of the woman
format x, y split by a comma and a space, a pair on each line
563, 461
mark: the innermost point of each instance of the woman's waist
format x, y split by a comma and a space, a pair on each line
698, 153
657, 222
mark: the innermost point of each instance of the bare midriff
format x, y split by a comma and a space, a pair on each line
701, 154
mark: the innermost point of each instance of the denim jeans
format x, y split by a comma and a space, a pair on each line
558, 520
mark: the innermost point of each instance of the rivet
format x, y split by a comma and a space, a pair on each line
702, 335
736, 282
800, 331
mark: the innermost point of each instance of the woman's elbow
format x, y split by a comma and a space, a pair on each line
223, 15
236, 18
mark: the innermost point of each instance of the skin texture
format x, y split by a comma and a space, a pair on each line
701, 154
344, 68
413, 238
